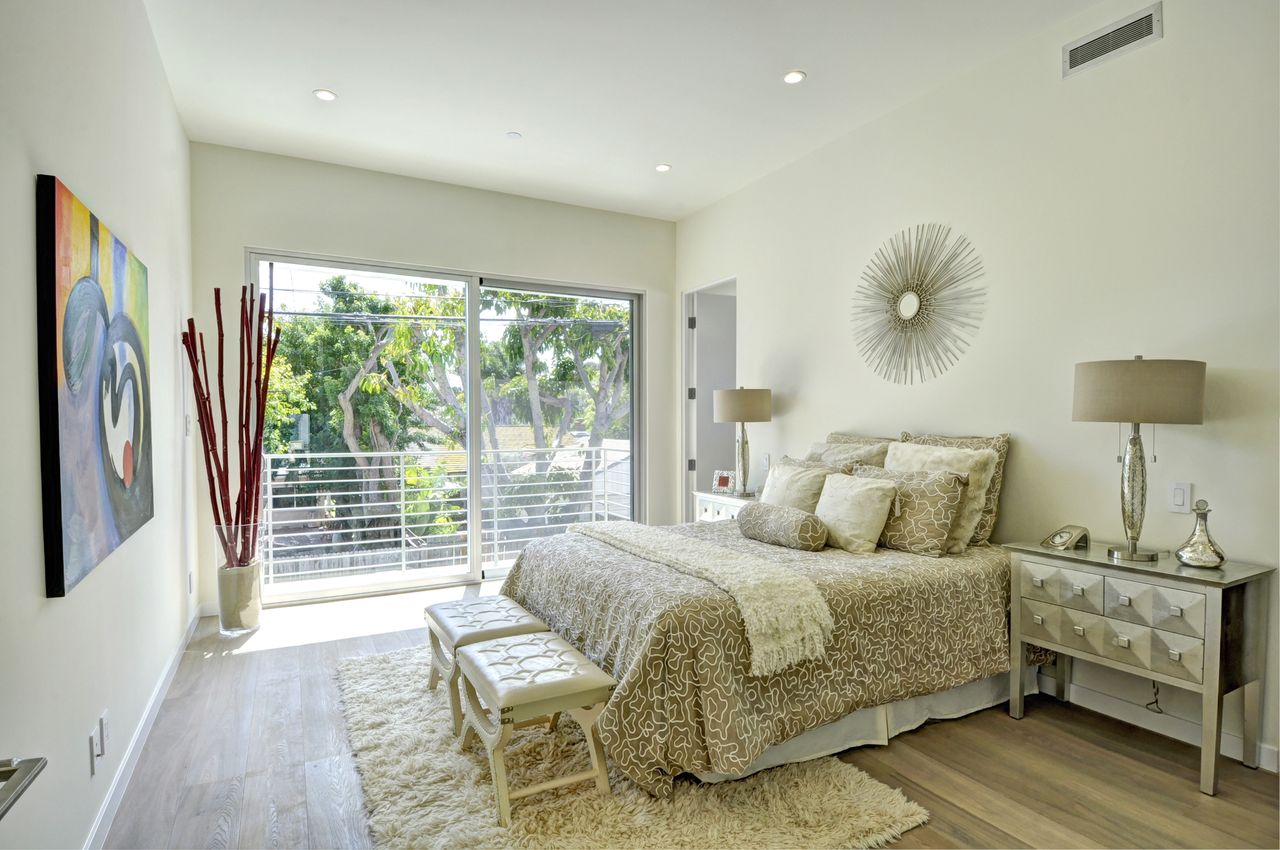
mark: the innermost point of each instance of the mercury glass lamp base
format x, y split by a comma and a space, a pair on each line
1124, 553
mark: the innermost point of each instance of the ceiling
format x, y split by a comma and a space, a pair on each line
602, 90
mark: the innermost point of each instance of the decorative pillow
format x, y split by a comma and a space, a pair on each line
845, 456
854, 439
795, 483
1000, 445
782, 526
979, 465
924, 509
854, 511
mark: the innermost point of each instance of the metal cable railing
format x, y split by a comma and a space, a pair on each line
348, 514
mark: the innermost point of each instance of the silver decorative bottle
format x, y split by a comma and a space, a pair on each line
1200, 550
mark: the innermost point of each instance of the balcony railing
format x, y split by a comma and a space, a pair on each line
403, 515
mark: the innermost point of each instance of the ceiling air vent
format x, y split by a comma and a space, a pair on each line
1126, 34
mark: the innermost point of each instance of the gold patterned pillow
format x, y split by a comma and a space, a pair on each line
845, 456
1000, 445
854, 439
782, 526
924, 509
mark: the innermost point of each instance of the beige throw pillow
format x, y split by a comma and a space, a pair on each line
854, 511
795, 483
1000, 445
845, 456
923, 511
782, 526
978, 464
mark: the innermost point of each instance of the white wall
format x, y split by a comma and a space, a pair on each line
245, 199
1130, 209
83, 97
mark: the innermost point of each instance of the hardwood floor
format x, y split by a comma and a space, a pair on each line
250, 750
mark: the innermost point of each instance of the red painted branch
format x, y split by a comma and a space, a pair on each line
188, 343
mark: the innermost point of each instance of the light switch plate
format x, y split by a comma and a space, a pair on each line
1180, 497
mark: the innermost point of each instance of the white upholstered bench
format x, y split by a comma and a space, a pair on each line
524, 677
454, 625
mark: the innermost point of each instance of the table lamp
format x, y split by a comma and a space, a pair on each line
742, 406
1155, 392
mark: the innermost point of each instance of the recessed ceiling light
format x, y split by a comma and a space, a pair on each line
325, 94
663, 167
793, 77
514, 134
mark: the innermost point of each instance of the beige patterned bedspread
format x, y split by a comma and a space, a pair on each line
905, 625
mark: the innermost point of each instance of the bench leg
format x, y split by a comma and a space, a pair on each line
498, 768
437, 657
495, 737
455, 701
586, 718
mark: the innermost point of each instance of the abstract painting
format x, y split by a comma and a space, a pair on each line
95, 399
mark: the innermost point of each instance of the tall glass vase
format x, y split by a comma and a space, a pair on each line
237, 552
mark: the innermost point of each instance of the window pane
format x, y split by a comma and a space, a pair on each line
367, 471
556, 415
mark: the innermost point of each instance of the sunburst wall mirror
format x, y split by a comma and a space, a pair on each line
917, 308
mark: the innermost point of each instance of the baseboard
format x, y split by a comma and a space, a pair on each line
120, 783
1178, 728
207, 609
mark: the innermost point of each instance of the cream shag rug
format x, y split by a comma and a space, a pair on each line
423, 790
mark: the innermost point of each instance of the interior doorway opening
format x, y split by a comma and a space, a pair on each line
710, 364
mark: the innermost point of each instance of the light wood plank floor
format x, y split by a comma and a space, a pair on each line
250, 750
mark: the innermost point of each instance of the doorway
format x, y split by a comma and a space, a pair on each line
710, 364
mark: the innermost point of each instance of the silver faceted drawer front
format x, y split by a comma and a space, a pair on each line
1134, 644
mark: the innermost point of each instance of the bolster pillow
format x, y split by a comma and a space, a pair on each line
782, 525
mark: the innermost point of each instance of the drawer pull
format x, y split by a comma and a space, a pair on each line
1037, 619
1037, 582
1122, 642
1079, 630
1175, 611
1175, 655
1077, 590
1124, 600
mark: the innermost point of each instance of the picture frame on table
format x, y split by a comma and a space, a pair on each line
724, 481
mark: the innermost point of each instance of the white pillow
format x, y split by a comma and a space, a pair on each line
795, 483
845, 456
855, 511
979, 464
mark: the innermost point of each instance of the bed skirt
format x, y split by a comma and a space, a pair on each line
876, 725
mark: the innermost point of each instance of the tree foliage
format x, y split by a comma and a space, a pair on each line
378, 374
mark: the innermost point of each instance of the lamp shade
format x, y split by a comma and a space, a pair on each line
1156, 392
742, 405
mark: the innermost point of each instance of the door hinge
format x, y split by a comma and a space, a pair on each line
693, 393
693, 322
693, 465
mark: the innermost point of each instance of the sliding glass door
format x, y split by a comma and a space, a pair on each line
557, 409
373, 479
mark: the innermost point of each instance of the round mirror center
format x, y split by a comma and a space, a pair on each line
908, 305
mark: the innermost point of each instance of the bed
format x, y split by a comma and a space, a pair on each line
904, 626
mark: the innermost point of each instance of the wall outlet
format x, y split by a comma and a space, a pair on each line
1180, 497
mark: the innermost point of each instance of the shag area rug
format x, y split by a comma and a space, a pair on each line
422, 790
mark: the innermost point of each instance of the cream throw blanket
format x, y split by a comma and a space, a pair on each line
785, 617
